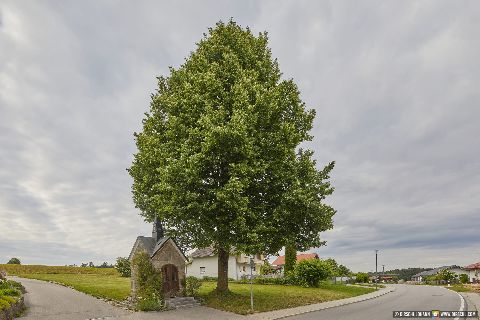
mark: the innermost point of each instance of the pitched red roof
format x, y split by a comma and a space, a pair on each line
473, 266
280, 261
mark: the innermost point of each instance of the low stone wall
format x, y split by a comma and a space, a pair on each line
15, 310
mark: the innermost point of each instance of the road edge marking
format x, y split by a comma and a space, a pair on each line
462, 304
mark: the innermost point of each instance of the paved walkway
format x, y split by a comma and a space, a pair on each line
54, 302
473, 300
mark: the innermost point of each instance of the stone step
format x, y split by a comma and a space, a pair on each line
182, 302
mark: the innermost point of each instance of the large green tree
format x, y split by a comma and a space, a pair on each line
218, 158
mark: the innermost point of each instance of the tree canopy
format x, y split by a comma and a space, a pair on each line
14, 261
218, 158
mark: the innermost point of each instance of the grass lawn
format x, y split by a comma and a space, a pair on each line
98, 282
460, 288
97, 285
274, 297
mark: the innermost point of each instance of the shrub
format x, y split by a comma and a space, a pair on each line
309, 273
361, 277
123, 267
463, 278
266, 268
149, 284
14, 261
10, 292
192, 284
446, 275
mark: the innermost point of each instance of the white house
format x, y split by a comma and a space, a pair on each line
204, 263
473, 272
420, 277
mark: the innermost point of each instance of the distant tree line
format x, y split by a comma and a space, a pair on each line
406, 274
91, 265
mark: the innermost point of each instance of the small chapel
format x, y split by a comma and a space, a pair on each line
165, 255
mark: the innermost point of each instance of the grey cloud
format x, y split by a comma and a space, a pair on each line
395, 87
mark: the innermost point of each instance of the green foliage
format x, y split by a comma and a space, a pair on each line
343, 271
10, 292
446, 275
309, 273
463, 278
192, 284
290, 257
406, 274
218, 159
333, 266
287, 280
361, 277
149, 284
14, 261
123, 267
266, 268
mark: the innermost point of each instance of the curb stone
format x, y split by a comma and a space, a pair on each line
280, 314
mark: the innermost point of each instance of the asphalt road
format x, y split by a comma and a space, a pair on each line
54, 302
404, 298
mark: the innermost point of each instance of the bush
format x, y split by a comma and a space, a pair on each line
123, 267
9, 284
192, 284
149, 284
309, 273
10, 292
266, 268
361, 277
463, 278
14, 261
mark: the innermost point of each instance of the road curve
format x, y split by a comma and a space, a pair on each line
50, 301
404, 298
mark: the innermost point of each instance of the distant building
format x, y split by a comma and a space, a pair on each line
473, 272
421, 277
204, 263
279, 263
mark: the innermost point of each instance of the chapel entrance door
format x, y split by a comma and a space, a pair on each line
170, 280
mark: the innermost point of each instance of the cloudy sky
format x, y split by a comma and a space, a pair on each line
396, 86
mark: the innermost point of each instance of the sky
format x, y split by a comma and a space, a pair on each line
396, 88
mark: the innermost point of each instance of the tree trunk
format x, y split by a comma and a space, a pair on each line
222, 281
290, 257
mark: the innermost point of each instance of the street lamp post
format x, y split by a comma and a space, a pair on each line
376, 267
252, 264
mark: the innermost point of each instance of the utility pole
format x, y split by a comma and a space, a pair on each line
376, 267
383, 270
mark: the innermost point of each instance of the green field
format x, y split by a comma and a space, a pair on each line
97, 285
98, 282
274, 297
18, 269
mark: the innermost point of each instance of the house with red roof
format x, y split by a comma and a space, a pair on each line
473, 272
279, 263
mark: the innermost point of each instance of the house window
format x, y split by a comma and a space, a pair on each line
202, 270
253, 268
243, 268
